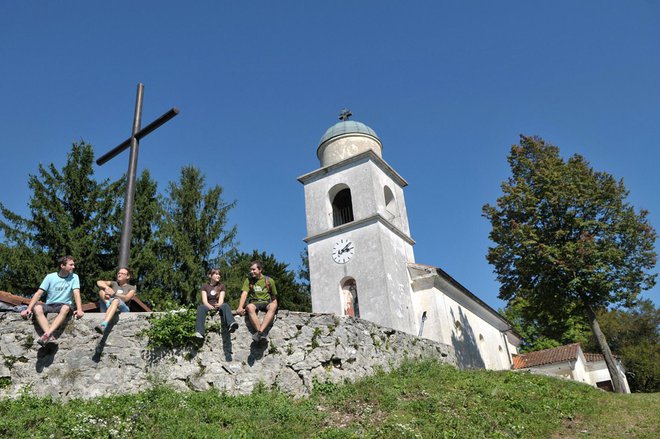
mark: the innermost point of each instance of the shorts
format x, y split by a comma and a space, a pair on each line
104, 305
53, 307
261, 306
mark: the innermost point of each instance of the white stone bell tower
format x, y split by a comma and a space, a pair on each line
358, 235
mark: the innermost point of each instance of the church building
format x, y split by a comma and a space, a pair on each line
361, 258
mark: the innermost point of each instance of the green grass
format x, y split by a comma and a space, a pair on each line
419, 400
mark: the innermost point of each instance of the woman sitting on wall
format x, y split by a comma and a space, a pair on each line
213, 299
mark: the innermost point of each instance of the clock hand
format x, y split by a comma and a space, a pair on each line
345, 249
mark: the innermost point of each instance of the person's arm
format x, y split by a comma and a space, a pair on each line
273, 290
205, 300
105, 290
240, 310
33, 301
76, 296
126, 297
221, 298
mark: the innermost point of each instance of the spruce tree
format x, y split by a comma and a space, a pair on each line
193, 235
70, 214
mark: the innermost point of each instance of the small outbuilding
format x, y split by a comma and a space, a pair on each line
572, 363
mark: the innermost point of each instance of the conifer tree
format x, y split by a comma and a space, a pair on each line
70, 214
566, 240
193, 235
144, 260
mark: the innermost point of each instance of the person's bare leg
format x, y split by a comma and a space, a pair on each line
110, 313
268, 318
252, 315
41, 318
64, 311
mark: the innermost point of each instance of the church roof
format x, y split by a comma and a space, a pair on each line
347, 127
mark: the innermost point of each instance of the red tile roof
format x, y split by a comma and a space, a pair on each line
592, 358
546, 356
552, 356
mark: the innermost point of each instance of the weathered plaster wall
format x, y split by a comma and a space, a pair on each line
303, 347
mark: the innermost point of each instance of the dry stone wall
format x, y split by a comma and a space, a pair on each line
302, 348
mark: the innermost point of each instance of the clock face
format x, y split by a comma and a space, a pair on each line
343, 251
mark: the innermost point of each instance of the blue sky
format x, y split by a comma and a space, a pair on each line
448, 86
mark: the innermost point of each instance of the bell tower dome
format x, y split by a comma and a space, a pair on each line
346, 139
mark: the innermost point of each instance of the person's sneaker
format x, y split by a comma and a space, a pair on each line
100, 328
198, 335
256, 336
43, 340
233, 327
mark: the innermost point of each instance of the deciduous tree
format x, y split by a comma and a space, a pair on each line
566, 240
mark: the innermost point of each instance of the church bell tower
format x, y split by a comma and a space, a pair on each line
358, 235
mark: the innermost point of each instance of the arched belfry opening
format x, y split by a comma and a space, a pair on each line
349, 298
390, 203
342, 208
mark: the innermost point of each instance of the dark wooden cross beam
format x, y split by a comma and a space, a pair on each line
133, 142
345, 114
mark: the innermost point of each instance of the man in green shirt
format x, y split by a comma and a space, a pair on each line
260, 293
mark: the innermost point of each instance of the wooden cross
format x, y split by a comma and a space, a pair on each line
345, 114
133, 142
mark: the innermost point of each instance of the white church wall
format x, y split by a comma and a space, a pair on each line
477, 343
382, 280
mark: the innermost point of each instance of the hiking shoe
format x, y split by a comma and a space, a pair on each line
233, 327
100, 328
198, 335
43, 340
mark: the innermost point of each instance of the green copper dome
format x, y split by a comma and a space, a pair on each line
347, 127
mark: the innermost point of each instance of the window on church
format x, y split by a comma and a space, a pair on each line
390, 203
342, 208
349, 298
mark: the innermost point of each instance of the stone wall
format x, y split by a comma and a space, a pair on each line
302, 348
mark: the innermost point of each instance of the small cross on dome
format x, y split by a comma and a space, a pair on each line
345, 114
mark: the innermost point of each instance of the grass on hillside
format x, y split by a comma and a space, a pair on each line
418, 400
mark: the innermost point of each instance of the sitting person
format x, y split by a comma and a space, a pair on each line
260, 293
213, 299
114, 296
60, 287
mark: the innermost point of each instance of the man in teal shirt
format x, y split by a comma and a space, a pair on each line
60, 288
260, 293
